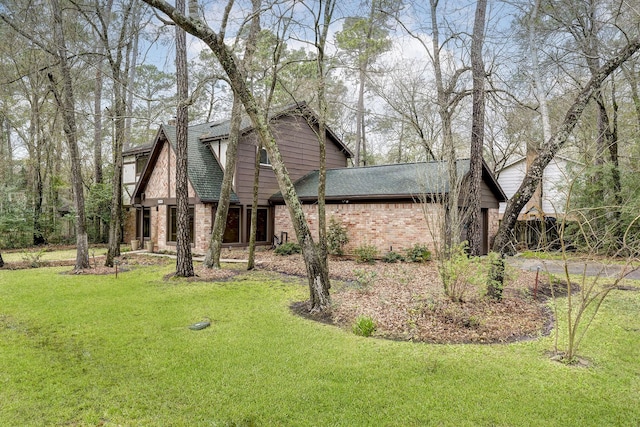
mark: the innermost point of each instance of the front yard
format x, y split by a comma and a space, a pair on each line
100, 350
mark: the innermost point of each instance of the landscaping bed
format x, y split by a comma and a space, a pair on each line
406, 301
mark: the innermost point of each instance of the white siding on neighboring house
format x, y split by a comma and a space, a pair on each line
555, 180
510, 178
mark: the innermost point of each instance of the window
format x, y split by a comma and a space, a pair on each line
264, 157
141, 161
261, 224
172, 229
146, 223
232, 229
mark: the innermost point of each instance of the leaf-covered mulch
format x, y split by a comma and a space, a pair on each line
407, 302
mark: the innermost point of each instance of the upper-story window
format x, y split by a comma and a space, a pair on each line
264, 157
141, 161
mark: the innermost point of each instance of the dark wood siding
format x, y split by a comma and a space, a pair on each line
299, 149
489, 199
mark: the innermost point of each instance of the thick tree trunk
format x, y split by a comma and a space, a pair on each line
67, 104
533, 177
184, 262
474, 234
1, 261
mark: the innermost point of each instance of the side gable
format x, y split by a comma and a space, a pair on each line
158, 178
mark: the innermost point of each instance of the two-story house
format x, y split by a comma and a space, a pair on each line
149, 178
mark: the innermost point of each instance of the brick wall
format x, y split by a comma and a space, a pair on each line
129, 232
384, 225
396, 226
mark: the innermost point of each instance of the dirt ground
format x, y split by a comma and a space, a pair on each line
405, 300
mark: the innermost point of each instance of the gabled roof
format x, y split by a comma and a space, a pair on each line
205, 173
521, 159
396, 181
221, 129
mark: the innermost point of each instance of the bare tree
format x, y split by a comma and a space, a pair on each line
220, 221
314, 265
551, 147
65, 100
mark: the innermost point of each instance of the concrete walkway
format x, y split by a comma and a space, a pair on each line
590, 268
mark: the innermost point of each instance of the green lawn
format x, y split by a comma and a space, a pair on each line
89, 350
50, 255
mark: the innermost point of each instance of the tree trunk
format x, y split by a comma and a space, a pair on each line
184, 262
533, 177
322, 135
219, 224
474, 222
1, 261
316, 276
254, 213
66, 102
212, 259
119, 112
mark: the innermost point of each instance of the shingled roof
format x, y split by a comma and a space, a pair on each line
205, 173
396, 181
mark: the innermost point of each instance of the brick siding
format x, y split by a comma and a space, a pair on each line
387, 226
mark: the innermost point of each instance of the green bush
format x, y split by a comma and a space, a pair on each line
336, 237
365, 279
392, 257
366, 254
495, 276
364, 326
288, 249
418, 253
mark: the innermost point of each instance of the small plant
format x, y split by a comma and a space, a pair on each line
418, 253
456, 272
366, 254
336, 237
495, 277
364, 326
289, 248
33, 258
392, 257
365, 279
473, 322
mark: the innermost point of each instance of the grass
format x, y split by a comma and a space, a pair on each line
89, 350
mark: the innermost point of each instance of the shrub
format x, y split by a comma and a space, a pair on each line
364, 326
457, 272
336, 237
495, 277
392, 257
365, 279
418, 253
289, 248
33, 258
366, 254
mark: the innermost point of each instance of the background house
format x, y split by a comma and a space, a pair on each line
537, 221
392, 207
151, 212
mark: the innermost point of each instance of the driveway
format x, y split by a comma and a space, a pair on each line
591, 268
